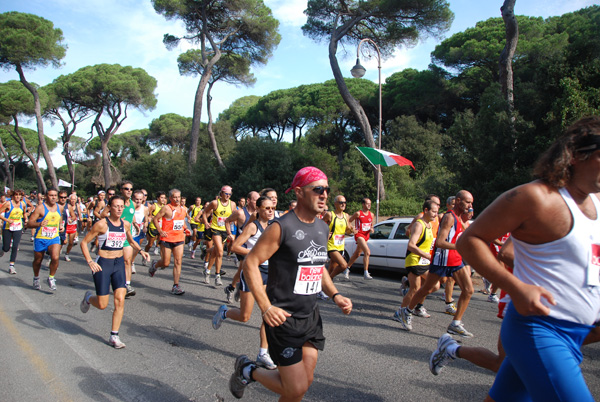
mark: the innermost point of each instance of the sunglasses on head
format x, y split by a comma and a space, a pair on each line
319, 189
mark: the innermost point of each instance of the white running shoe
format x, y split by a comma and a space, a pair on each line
459, 329
347, 274
493, 298
115, 342
133, 268
36, 284
207, 276
12, 270
403, 317
440, 357
67, 258
265, 360
450, 309
52, 283
367, 275
218, 280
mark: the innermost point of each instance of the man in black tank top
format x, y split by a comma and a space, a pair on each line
296, 247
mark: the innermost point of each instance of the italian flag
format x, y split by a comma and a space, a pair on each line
384, 158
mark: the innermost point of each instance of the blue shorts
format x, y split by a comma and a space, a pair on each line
442, 270
41, 245
113, 273
245, 287
138, 239
542, 361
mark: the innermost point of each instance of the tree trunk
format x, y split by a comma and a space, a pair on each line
106, 164
40, 127
6, 166
505, 64
353, 104
193, 157
69, 161
36, 168
211, 134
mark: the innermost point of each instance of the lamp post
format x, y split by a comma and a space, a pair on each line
358, 71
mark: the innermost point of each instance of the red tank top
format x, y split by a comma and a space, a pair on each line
174, 226
364, 222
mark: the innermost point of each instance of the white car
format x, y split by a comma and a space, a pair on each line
388, 244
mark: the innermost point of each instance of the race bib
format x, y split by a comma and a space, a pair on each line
593, 271
15, 225
424, 261
115, 239
178, 225
338, 240
49, 231
365, 227
221, 221
308, 280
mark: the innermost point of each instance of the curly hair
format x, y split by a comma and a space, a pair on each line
556, 164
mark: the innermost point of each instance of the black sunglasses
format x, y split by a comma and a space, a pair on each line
319, 189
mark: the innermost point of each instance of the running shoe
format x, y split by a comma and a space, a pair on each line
321, 295
493, 298
156, 251
347, 274
237, 294
67, 258
52, 283
145, 261
84, 306
450, 309
459, 329
152, 269
130, 291
36, 284
218, 280
115, 342
12, 270
404, 286
229, 289
218, 317
404, 317
206, 276
367, 275
237, 382
487, 286
440, 357
177, 290
193, 254
422, 312
265, 361
76, 240
132, 268
31, 239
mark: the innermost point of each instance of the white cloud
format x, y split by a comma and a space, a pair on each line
288, 12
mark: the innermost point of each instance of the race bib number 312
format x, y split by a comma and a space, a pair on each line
308, 280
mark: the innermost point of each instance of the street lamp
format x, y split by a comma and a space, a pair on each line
358, 71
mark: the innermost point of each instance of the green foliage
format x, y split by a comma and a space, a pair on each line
29, 41
170, 131
32, 142
16, 100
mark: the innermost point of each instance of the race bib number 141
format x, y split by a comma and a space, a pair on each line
308, 280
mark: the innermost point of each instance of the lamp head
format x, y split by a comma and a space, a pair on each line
358, 71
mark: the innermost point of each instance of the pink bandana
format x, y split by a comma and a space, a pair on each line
305, 176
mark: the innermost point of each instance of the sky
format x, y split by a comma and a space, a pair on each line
130, 32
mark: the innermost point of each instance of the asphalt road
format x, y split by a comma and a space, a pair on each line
52, 352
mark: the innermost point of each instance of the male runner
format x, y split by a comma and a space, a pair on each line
296, 247
46, 219
140, 220
555, 290
447, 262
109, 267
172, 238
364, 227
219, 210
195, 222
152, 235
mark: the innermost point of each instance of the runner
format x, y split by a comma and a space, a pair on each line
554, 223
242, 246
339, 226
151, 236
109, 267
196, 225
241, 217
219, 210
13, 213
364, 227
46, 218
295, 246
448, 262
417, 261
140, 218
71, 217
172, 238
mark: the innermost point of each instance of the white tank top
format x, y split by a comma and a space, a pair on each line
139, 214
568, 267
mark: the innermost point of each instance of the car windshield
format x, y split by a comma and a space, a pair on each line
401, 231
382, 231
